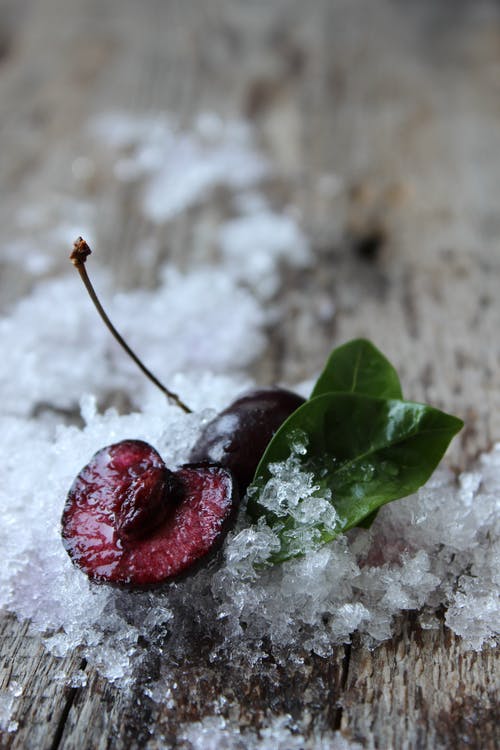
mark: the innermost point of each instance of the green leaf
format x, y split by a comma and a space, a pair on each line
366, 451
358, 367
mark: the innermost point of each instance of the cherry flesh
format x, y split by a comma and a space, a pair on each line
128, 520
238, 436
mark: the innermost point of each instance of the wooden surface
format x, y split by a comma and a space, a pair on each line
383, 119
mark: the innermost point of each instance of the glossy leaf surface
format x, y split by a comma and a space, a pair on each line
366, 451
358, 367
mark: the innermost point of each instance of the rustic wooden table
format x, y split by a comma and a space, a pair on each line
383, 119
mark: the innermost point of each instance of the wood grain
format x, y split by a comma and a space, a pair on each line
383, 121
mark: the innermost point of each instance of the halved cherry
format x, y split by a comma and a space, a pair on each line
129, 520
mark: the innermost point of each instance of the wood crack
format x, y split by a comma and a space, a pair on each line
72, 693
344, 674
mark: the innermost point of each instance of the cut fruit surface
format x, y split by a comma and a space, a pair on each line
129, 520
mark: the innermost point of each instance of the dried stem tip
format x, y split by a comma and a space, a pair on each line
81, 252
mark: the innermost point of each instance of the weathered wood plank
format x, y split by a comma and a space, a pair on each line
111, 718
422, 689
40, 710
382, 119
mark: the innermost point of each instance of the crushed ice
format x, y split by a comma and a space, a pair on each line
440, 546
57, 316
181, 168
282, 733
296, 495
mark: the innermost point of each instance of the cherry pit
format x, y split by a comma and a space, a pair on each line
130, 521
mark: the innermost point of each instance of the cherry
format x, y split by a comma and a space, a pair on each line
128, 520
239, 435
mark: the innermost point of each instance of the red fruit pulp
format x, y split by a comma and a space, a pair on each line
129, 520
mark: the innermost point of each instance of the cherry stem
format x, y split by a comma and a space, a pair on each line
80, 253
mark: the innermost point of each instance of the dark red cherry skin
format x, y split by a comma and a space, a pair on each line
130, 521
239, 435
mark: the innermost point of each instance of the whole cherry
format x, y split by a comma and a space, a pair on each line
238, 436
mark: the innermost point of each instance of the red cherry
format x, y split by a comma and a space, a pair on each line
129, 520
238, 436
